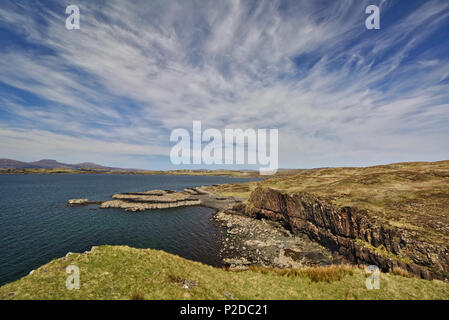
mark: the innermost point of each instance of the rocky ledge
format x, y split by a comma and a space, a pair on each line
154, 199
267, 243
351, 232
161, 199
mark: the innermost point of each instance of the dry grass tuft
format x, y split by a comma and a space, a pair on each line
328, 274
315, 274
137, 296
174, 278
401, 272
260, 269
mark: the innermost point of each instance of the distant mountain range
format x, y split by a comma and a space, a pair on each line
50, 164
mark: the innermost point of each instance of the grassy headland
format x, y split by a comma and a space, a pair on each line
119, 272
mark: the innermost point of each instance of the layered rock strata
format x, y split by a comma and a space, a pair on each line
161, 199
266, 243
354, 233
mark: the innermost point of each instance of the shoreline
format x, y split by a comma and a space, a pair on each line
317, 204
244, 242
253, 247
220, 173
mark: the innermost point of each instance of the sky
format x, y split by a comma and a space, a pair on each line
113, 91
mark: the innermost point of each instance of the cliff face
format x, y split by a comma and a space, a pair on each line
354, 233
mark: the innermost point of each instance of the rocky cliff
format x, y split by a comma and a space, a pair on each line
359, 236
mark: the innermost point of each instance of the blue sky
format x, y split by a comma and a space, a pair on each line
112, 91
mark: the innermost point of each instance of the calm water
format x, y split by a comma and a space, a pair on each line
36, 226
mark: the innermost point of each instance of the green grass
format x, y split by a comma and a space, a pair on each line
381, 250
118, 272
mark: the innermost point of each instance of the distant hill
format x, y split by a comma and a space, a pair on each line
8, 163
91, 165
50, 164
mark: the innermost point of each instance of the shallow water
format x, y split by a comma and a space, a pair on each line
37, 226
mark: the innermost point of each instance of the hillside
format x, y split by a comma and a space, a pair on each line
14, 164
118, 272
410, 195
49, 164
387, 215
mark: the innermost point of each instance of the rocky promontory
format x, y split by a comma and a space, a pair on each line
278, 228
353, 233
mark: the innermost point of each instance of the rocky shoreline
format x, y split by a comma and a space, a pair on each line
266, 243
245, 241
279, 230
351, 232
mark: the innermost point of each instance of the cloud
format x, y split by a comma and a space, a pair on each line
337, 92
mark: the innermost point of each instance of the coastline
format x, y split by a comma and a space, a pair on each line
392, 216
245, 241
226, 173
351, 233
271, 228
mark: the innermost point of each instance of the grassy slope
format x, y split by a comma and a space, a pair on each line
113, 272
407, 195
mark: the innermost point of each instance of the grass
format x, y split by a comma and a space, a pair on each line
315, 274
381, 250
119, 272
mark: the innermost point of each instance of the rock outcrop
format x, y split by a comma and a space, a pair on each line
268, 244
153, 199
81, 202
142, 206
161, 199
354, 233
